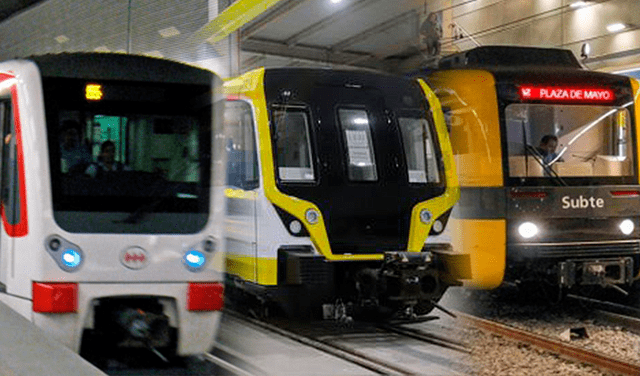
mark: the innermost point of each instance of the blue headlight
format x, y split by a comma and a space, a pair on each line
194, 259
71, 258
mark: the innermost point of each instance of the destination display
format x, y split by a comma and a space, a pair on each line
569, 94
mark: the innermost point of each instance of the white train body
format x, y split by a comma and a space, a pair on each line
138, 246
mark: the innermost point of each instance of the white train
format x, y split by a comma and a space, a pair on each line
110, 212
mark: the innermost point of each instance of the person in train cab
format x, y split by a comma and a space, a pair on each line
547, 148
106, 161
74, 155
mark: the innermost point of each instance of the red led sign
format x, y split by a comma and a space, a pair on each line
567, 94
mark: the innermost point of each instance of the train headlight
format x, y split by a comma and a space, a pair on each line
438, 226
71, 258
194, 260
425, 216
627, 226
312, 216
528, 230
295, 226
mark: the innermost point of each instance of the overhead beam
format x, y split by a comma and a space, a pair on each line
231, 19
320, 25
275, 13
377, 29
319, 54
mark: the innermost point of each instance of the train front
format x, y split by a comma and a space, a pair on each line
127, 211
358, 174
571, 165
548, 164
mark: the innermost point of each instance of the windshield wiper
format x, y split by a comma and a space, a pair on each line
550, 172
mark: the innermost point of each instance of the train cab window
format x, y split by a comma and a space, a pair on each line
357, 135
569, 141
140, 153
293, 144
9, 185
242, 159
419, 149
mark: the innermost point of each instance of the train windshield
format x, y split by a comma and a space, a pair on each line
129, 157
561, 142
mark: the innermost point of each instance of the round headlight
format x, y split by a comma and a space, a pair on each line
295, 226
312, 216
71, 258
425, 216
528, 230
627, 226
194, 260
437, 226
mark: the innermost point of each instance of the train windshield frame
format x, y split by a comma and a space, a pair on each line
569, 144
126, 156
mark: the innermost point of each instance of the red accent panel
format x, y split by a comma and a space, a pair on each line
566, 94
55, 297
625, 193
205, 296
19, 229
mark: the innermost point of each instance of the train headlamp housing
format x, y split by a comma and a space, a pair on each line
440, 223
528, 230
312, 216
194, 260
627, 226
67, 255
425, 216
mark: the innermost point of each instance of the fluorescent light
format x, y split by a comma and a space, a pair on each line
335, 1
616, 27
61, 39
578, 4
169, 32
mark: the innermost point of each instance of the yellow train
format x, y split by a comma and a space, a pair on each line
547, 159
340, 185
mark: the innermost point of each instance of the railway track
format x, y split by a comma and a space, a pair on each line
563, 349
343, 344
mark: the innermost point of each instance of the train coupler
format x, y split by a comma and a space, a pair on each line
605, 273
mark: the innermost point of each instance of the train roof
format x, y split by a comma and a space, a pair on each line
329, 76
115, 66
491, 57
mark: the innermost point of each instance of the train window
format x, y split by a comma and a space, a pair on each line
129, 158
569, 141
9, 186
242, 159
293, 144
419, 149
357, 134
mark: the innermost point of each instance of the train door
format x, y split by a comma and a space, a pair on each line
13, 213
241, 192
360, 151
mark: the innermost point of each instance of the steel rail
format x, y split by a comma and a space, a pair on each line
557, 347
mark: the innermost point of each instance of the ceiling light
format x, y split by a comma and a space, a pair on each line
61, 39
578, 4
616, 27
335, 1
169, 32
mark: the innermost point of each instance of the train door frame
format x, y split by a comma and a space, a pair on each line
244, 193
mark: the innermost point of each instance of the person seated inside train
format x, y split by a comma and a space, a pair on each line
547, 148
74, 155
106, 161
